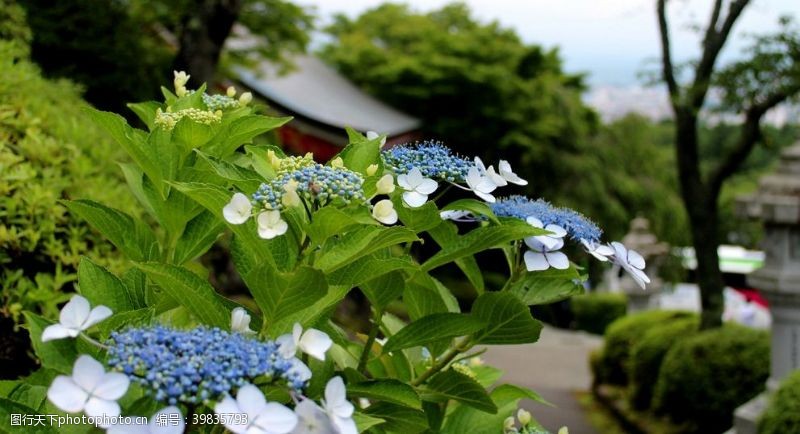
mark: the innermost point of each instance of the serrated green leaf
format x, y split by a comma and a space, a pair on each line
548, 286
451, 384
198, 236
361, 152
121, 320
136, 286
384, 289
281, 294
56, 354
481, 239
190, 291
387, 390
466, 419
191, 134
146, 112
361, 242
101, 287
364, 422
242, 131
419, 219
447, 233
327, 222
398, 418
509, 320
244, 179
432, 328
131, 236
367, 268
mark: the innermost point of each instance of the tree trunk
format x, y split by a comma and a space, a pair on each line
702, 210
204, 31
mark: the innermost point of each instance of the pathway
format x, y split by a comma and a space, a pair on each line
555, 367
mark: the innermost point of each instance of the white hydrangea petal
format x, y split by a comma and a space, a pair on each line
315, 343
557, 231
427, 186
414, 178
345, 425
312, 419
87, 373
168, 428
336, 403
535, 222
96, 315
238, 210
535, 261
75, 312
635, 259
112, 386
65, 394
276, 418
485, 196
251, 401
402, 181
385, 214
229, 406
495, 178
287, 347
620, 251
58, 331
96, 407
535, 244
557, 260
508, 174
414, 199
549, 242
299, 369
639, 277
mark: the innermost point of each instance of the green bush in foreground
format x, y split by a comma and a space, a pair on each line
783, 414
648, 354
704, 378
622, 335
593, 312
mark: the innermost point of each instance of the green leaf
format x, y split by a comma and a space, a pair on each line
360, 153
259, 161
481, 239
121, 320
146, 111
548, 286
512, 391
131, 236
433, 328
191, 134
310, 315
365, 422
466, 419
56, 354
190, 291
244, 179
446, 234
509, 320
198, 236
101, 287
367, 268
242, 131
476, 207
399, 419
327, 222
10, 409
384, 289
419, 219
486, 375
451, 384
361, 242
136, 286
387, 390
280, 294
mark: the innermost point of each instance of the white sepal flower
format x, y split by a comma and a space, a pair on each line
508, 174
168, 420
270, 224
385, 185
180, 78
238, 210
384, 212
90, 389
290, 197
551, 239
312, 419
312, 342
481, 185
339, 410
632, 262
231, 91
600, 251
540, 257
457, 215
417, 187
245, 98
76, 316
240, 321
489, 173
523, 416
262, 417
299, 369
372, 135
372, 169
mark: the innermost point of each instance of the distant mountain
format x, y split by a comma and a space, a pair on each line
613, 102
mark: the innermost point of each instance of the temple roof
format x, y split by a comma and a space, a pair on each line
316, 91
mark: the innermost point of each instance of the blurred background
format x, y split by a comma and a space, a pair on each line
577, 95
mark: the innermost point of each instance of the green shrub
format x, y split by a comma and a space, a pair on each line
623, 334
49, 150
647, 355
704, 378
783, 413
593, 312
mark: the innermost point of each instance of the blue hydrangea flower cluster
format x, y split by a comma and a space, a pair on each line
219, 102
314, 182
433, 159
576, 224
194, 366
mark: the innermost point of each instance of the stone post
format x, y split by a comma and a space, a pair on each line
777, 205
640, 238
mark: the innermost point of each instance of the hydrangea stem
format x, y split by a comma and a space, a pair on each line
373, 334
460, 347
93, 342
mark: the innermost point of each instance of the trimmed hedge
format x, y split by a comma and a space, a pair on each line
647, 355
620, 338
783, 413
705, 377
593, 312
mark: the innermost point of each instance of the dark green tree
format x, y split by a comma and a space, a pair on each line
768, 75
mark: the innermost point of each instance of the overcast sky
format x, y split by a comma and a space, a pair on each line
610, 39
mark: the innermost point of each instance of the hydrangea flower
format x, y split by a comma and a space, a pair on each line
238, 210
632, 262
75, 317
167, 119
417, 187
193, 366
339, 410
505, 171
271, 225
312, 342
433, 159
240, 321
384, 212
578, 227
90, 389
481, 185
540, 257
314, 183
262, 417
219, 102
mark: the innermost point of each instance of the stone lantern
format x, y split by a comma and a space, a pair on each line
640, 238
777, 205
